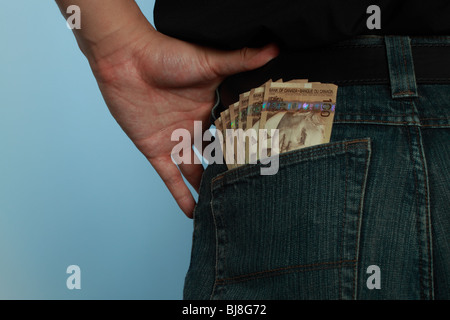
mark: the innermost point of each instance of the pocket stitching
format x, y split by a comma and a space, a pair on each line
319, 150
285, 270
360, 210
346, 146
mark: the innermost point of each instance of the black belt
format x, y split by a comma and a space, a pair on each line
354, 62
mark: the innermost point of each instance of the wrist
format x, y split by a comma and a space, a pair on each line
118, 52
107, 26
114, 43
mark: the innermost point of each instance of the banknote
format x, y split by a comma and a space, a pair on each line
301, 113
273, 98
243, 105
286, 96
238, 153
255, 103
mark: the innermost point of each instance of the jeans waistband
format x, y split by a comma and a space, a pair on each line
399, 61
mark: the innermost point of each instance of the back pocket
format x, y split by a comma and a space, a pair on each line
295, 234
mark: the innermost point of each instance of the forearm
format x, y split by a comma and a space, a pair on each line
107, 25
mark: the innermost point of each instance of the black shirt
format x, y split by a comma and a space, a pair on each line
295, 24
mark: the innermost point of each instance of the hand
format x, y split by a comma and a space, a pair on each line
155, 84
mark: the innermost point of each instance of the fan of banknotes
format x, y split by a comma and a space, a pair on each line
275, 118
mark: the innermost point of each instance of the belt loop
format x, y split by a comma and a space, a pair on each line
401, 67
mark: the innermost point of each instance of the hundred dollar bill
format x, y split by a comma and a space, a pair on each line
308, 114
302, 112
270, 107
255, 104
279, 96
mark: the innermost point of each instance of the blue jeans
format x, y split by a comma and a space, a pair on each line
377, 195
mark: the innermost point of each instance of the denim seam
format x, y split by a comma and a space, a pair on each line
343, 222
280, 271
416, 185
430, 45
345, 213
222, 285
400, 93
432, 79
403, 80
221, 176
360, 210
345, 148
425, 119
427, 210
373, 114
217, 245
436, 126
333, 148
417, 215
388, 115
307, 156
376, 121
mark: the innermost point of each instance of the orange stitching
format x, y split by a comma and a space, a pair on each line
404, 92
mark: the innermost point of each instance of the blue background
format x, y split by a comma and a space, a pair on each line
73, 188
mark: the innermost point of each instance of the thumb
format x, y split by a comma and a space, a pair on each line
227, 63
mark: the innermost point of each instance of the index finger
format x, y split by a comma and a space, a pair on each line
173, 179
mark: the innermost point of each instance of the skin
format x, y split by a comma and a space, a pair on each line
154, 84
